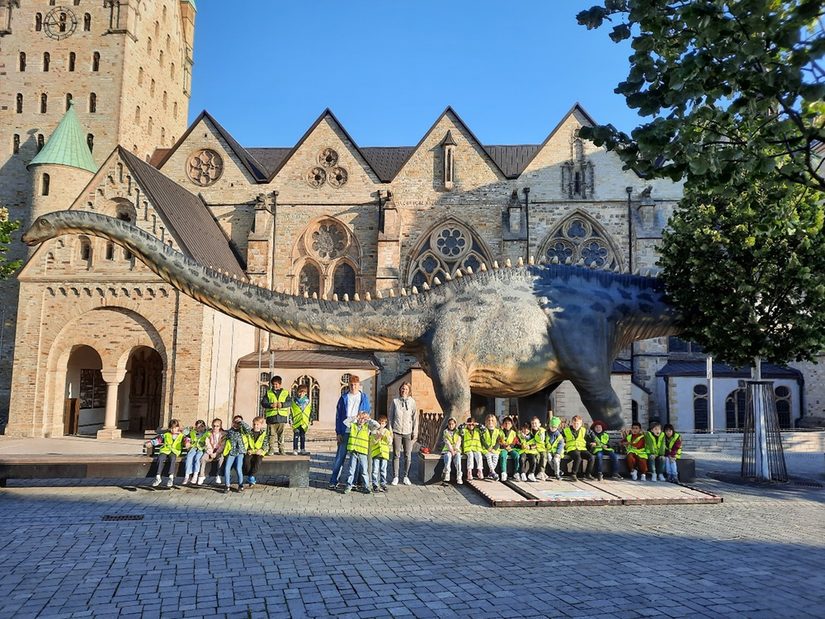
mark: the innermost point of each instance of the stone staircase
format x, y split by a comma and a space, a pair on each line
730, 442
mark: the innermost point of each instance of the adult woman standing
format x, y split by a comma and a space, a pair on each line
403, 418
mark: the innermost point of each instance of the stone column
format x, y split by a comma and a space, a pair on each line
113, 379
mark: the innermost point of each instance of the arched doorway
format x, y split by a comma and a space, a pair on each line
145, 390
85, 392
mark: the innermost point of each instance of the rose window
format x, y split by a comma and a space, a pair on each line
328, 158
328, 241
328, 171
337, 176
204, 167
316, 177
452, 242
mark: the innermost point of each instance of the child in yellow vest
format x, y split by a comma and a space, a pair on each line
540, 440
171, 444
257, 445
508, 451
300, 413
451, 451
471, 446
655, 447
529, 452
554, 442
358, 446
490, 435
380, 442
195, 440
673, 451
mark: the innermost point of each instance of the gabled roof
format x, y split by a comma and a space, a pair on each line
721, 370
67, 145
327, 113
248, 161
188, 218
577, 107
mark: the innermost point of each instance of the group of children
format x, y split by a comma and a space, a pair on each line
371, 437
539, 454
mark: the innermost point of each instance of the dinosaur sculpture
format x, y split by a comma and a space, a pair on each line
499, 332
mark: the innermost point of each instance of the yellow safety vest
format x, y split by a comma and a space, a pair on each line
281, 397
359, 439
528, 444
380, 447
253, 444
540, 437
172, 443
508, 438
601, 442
672, 441
489, 438
197, 442
470, 441
450, 437
553, 445
574, 442
300, 417
636, 445
655, 445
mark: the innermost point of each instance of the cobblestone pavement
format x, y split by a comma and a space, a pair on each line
416, 552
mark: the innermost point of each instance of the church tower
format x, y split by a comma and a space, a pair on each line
123, 66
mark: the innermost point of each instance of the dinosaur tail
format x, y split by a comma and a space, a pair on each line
384, 325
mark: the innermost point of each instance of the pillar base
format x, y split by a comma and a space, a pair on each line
108, 434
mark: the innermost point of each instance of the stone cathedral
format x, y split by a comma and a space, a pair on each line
94, 102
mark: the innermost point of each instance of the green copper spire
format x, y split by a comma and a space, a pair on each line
67, 145
192, 2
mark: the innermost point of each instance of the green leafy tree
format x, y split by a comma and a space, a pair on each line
731, 86
6, 228
746, 265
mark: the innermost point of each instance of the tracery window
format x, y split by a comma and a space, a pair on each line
309, 280
580, 238
344, 281
735, 409
700, 407
449, 246
325, 260
783, 406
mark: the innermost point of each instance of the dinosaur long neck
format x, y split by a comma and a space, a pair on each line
384, 325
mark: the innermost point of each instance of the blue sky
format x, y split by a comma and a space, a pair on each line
267, 68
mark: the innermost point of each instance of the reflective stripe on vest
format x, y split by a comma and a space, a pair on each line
636, 445
655, 445
450, 437
601, 442
283, 394
528, 445
553, 446
172, 444
359, 439
380, 447
489, 438
300, 417
253, 444
670, 443
508, 438
574, 442
470, 441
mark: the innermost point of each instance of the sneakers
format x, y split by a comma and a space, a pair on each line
218, 479
240, 488
661, 477
458, 480
394, 481
504, 476
590, 477
479, 475
252, 481
384, 488
469, 476
574, 477
601, 477
407, 481
542, 477
201, 480
634, 475
185, 480
348, 489
531, 477
226, 490
375, 488
616, 476
170, 482
156, 483
294, 452
641, 477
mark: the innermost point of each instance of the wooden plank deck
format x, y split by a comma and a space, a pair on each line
500, 495
655, 493
563, 493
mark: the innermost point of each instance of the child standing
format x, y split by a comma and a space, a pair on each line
555, 446
575, 448
673, 451
471, 445
528, 453
358, 445
257, 444
213, 450
170, 443
634, 443
655, 447
299, 415
509, 451
380, 442
540, 440
196, 439
234, 451
490, 445
451, 451
598, 441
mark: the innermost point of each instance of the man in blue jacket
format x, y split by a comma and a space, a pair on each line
351, 402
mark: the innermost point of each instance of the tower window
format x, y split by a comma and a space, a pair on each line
165, 99
163, 135
44, 185
160, 57
44, 103
148, 45
151, 125
72, 60
77, 2
140, 76
40, 142
90, 140
175, 108
61, 22
38, 22
16, 144
85, 249
152, 88
92, 103
172, 71
22, 66
96, 61
87, 22
110, 251
137, 115
47, 60
51, 2
68, 101
19, 103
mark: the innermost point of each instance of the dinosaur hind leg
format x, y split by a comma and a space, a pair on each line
452, 390
601, 402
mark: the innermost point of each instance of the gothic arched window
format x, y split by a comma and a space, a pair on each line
735, 409
92, 103
580, 238
325, 260
87, 22
96, 61
343, 281
783, 406
22, 66
309, 280
700, 407
447, 247
72, 61
47, 60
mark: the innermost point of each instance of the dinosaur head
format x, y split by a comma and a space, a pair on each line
41, 230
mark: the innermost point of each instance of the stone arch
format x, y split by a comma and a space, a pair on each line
579, 236
444, 248
325, 243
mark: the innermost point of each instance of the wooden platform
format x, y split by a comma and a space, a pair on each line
589, 493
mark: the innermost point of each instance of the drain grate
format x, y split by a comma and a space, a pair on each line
117, 517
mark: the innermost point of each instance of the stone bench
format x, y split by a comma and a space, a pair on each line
431, 467
296, 468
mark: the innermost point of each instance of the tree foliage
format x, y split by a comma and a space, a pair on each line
746, 266
6, 229
731, 86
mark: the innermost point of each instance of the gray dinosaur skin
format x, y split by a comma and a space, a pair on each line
506, 332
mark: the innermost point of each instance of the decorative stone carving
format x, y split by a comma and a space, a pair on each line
328, 158
327, 241
328, 171
316, 177
204, 167
451, 241
337, 177
578, 238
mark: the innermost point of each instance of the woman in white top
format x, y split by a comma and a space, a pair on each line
403, 420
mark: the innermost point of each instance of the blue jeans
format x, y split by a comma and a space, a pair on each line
379, 471
614, 462
193, 461
338, 463
358, 464
237, 462
656, 464
299, 435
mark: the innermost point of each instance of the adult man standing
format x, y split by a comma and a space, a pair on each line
277, 414
351, 402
